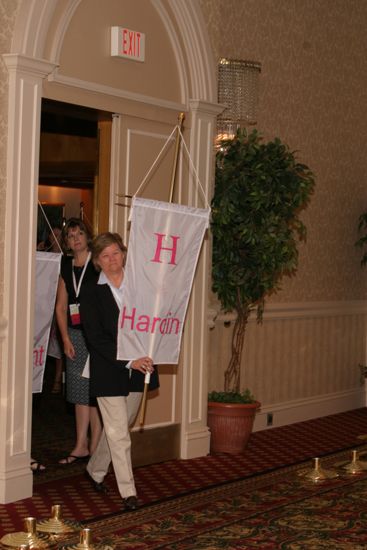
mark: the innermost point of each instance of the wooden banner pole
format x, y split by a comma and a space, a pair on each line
181, 118
144, 401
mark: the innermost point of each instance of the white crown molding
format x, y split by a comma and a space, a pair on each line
40, 68
31, 26
115, 92
176, 47
62, 27
205, 107
196, 52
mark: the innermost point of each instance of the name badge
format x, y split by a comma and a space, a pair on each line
74, 314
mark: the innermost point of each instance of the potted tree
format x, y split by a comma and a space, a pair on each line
260, 189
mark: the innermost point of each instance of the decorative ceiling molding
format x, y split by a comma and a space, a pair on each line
190, 41
31, 27
183, 21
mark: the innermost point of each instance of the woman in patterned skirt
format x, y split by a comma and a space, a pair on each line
76, 271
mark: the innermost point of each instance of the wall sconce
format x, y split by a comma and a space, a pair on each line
238, 84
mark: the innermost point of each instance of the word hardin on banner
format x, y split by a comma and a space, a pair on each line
144, 323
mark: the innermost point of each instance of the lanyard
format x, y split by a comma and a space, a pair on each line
77, 288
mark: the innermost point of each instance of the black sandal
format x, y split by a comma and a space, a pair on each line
37, 467
73, 459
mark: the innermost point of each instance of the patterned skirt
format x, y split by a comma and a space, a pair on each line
77, 387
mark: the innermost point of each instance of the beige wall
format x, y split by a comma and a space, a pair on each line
313, 96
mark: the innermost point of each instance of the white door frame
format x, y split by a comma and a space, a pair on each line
27, 69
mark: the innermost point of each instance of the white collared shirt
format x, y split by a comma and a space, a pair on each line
117, 294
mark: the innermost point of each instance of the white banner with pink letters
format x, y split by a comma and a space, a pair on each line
47, 276
164, 246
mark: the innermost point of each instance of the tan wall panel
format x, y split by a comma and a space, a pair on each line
160, 403
287, 359
141, 142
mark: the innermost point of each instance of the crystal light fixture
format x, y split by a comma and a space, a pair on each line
238, 83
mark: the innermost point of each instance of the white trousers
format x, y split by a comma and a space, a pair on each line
118, 414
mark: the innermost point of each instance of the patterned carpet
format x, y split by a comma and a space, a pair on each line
281, 509
183, 497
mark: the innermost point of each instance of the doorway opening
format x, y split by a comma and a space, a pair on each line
74, 181
74, 168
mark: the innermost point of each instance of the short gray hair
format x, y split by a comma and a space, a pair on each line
104, 240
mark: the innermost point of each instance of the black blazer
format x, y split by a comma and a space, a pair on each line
108, 376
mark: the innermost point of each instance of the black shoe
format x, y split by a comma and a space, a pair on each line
98, 487
131, 503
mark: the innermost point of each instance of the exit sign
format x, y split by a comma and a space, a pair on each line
127, 43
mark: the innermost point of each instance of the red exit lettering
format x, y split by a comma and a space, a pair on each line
131, 43
128, 43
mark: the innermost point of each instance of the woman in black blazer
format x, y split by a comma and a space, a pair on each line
117, 385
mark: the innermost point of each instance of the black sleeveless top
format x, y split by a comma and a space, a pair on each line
66, 273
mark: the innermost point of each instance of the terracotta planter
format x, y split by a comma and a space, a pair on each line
230, 425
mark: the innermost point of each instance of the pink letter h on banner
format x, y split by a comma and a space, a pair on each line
173, 250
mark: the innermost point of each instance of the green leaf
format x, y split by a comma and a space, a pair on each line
260, 190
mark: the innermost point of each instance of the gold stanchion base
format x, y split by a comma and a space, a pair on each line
85, 543
56, 525
318, 474
27, 540
356, 466
29, 537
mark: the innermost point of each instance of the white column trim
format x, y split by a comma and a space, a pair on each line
24, 108
17, 63
195, 436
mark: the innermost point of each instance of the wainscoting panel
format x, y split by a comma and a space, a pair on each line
301, 356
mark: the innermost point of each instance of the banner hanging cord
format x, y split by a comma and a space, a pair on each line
155, 162
49, 225
190, 161
194, 169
